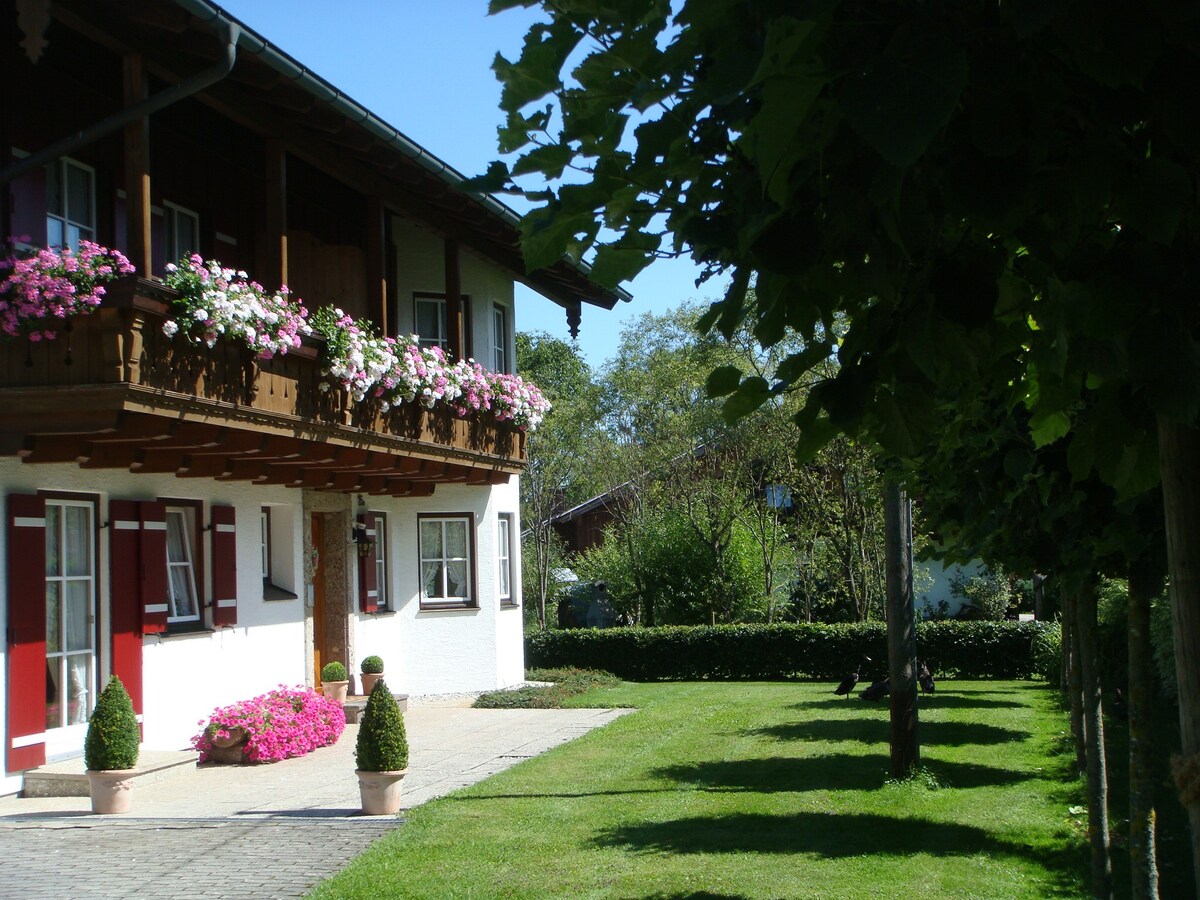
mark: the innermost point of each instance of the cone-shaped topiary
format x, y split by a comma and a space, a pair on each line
382, 742
112, 734
372, 665
334, 671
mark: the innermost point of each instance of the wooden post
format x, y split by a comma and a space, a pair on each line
454, 314
137, 169
276, 261
902, 635
1179, 459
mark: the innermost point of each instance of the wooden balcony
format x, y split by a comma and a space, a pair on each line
114, 392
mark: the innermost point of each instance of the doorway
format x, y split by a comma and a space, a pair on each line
320, 652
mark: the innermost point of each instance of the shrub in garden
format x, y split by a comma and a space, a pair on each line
334, 671
382, 742
282, 723
765, 652
371, 665
112, 733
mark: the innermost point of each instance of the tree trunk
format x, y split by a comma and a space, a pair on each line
1143, 866
902, 636
1074, 682
1179, 458
1097, 777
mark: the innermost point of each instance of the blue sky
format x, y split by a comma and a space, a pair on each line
425, 68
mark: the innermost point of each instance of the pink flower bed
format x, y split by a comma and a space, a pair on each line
282, 723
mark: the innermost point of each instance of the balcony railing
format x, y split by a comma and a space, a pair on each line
117, 358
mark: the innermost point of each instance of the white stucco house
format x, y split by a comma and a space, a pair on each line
205, 523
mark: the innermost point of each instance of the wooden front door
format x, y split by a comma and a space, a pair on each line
318, 612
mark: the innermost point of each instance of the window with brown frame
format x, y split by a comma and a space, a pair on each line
185, 558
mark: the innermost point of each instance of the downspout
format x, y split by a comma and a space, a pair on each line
119, 120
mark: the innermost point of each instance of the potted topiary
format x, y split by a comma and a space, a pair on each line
110, 750
372, 671
335, 681
381, 753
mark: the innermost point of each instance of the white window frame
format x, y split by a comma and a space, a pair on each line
442, 338
63, 163
188, 516
424, 556
504, 559
500, 317
383, 595
60, 657
172, 212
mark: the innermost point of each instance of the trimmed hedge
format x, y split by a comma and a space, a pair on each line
765, 652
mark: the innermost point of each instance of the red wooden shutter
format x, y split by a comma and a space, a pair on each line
152, 544
125, 595
224, 566
26, 632
368, 590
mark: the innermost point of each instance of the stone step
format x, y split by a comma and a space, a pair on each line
68, 778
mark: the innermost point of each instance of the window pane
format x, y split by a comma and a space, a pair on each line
456, 579
54, 694
79, 196
183, 598
186, 231
265, 537
54, 232
456, 540
177, 551
79, 683
431, 540
505, 590
53, 539
431, 577
79, 540
427, 319
53, 616
77, 611
74, 235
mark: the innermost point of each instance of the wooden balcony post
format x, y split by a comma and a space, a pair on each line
276, 259
377, 276
137, 169
454, 312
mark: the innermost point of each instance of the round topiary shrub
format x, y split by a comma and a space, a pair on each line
372, 665
334, 671
112, 734
382, 742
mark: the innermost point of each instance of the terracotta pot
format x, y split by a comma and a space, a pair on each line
368, 682
335, 690
110, 790
380, 791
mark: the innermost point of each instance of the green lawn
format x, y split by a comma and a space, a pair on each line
758, 790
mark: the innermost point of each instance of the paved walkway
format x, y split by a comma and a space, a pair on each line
259, 831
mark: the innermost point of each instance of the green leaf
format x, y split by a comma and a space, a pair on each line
494, 180
1048, 427
723, 380
546, 232
549, 160
749, 396
1154, 202
814, 435
900, 104
615, 263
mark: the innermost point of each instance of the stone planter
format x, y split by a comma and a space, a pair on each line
110, 790
229, 750
335, 690
380, 791
368, 682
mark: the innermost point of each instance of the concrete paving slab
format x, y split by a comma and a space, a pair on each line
263, 831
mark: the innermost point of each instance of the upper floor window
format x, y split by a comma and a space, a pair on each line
431, 320
379, 520
499, 338
70, 203
182, 231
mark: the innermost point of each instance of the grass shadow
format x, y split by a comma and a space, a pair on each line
831, 772
939, 699
835, 836
871, 731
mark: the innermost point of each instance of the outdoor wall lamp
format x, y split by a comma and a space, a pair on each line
358, 533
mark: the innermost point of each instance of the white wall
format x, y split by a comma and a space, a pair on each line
933, 585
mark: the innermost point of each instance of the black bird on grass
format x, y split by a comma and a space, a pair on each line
925, 679
878, 690
850, 681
